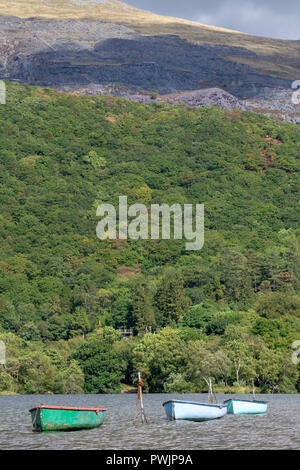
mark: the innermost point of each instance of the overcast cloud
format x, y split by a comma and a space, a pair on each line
272, 18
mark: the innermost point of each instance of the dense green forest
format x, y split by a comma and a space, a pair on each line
230, 311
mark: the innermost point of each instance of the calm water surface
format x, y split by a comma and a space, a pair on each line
279, 429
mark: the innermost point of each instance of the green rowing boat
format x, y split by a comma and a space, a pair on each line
65, 418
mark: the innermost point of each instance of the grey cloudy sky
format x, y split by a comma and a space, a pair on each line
272, 18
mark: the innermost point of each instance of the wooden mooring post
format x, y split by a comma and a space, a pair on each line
139, 398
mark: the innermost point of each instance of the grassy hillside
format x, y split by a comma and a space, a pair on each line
275, 57
235, 301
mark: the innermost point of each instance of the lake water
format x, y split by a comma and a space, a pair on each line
279, 429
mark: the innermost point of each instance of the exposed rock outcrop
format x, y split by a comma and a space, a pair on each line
97, 57
74, 53
276, 103
196, 98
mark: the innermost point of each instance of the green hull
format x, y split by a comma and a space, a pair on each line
46, 418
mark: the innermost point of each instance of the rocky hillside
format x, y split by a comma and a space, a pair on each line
88, 51
275, 103
195, 98
277, 57
106, 46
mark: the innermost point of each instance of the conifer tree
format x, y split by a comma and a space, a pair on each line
142, 311
170, 299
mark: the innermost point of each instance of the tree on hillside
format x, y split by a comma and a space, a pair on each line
79, 323
201, 362
157, 356
142, 310
234, 275
102, 367
170, 299
277, 304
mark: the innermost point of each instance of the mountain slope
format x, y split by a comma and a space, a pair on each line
74, 151
275, 57
61, 156
74, 54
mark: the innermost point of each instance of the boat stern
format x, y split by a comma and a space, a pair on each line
169, 409
36, 419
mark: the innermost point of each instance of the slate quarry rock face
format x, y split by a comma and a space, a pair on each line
276, 103
74, 53
195, 98
97, 57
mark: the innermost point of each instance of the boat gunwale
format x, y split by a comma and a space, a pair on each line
246, 401
214, 405
72, 408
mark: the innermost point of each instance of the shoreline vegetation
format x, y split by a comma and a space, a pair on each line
230, 311
232, 391
130, 389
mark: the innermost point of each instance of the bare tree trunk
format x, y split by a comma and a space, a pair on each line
237, 369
